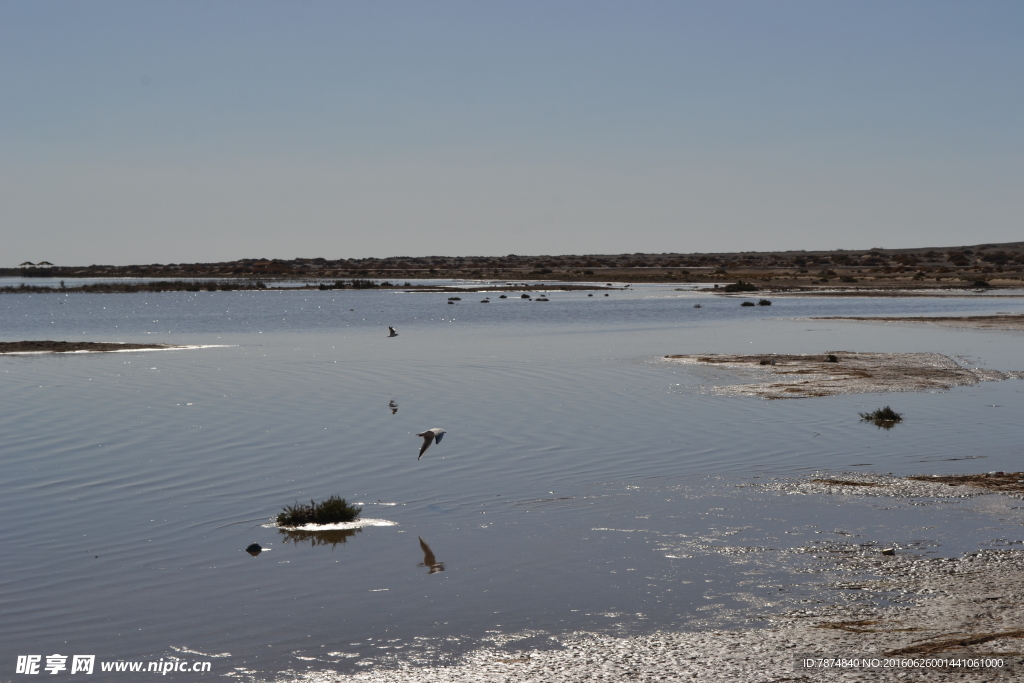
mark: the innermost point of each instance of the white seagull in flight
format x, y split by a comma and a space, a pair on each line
430, 436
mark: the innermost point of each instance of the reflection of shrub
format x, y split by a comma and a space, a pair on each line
886, 417
740, 286
331, 511
331, 538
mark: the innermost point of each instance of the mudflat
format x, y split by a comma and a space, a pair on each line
843, 372
973, 322
48, 346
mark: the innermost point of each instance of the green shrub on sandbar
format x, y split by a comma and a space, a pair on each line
330, 511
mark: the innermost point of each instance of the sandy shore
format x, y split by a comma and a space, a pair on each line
842, 372
905, 609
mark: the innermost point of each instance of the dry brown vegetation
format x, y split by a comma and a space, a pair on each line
983, 265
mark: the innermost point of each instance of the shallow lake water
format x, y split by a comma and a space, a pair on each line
583, 484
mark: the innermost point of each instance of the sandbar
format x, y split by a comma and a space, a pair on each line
48, 346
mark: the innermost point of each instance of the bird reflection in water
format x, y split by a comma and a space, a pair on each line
393, 406
331, 538
429, 560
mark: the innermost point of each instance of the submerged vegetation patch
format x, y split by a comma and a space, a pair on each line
334, 510
843, 482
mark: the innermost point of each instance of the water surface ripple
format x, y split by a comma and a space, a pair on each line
576, 474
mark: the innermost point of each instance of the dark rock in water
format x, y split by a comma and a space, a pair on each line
485, 301
697, 306
452, 303
254, 549
764, 302
889, 551
832, 358
455, 298
747, 303
524, 296
590, 295
502, 297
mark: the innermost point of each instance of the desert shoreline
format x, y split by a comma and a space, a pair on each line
889, 605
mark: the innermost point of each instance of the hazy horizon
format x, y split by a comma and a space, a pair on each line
145, 132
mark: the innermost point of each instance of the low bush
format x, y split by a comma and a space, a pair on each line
885, 417
330, 511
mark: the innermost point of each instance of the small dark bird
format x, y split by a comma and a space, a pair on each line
254, 549
430, 436
429, 560
393, 406
391, 332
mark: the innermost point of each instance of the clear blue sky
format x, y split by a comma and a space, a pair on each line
141, 132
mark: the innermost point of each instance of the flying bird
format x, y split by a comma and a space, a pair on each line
430, 436
392, 332
429, 560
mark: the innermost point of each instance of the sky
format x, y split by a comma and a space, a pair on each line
177, 132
